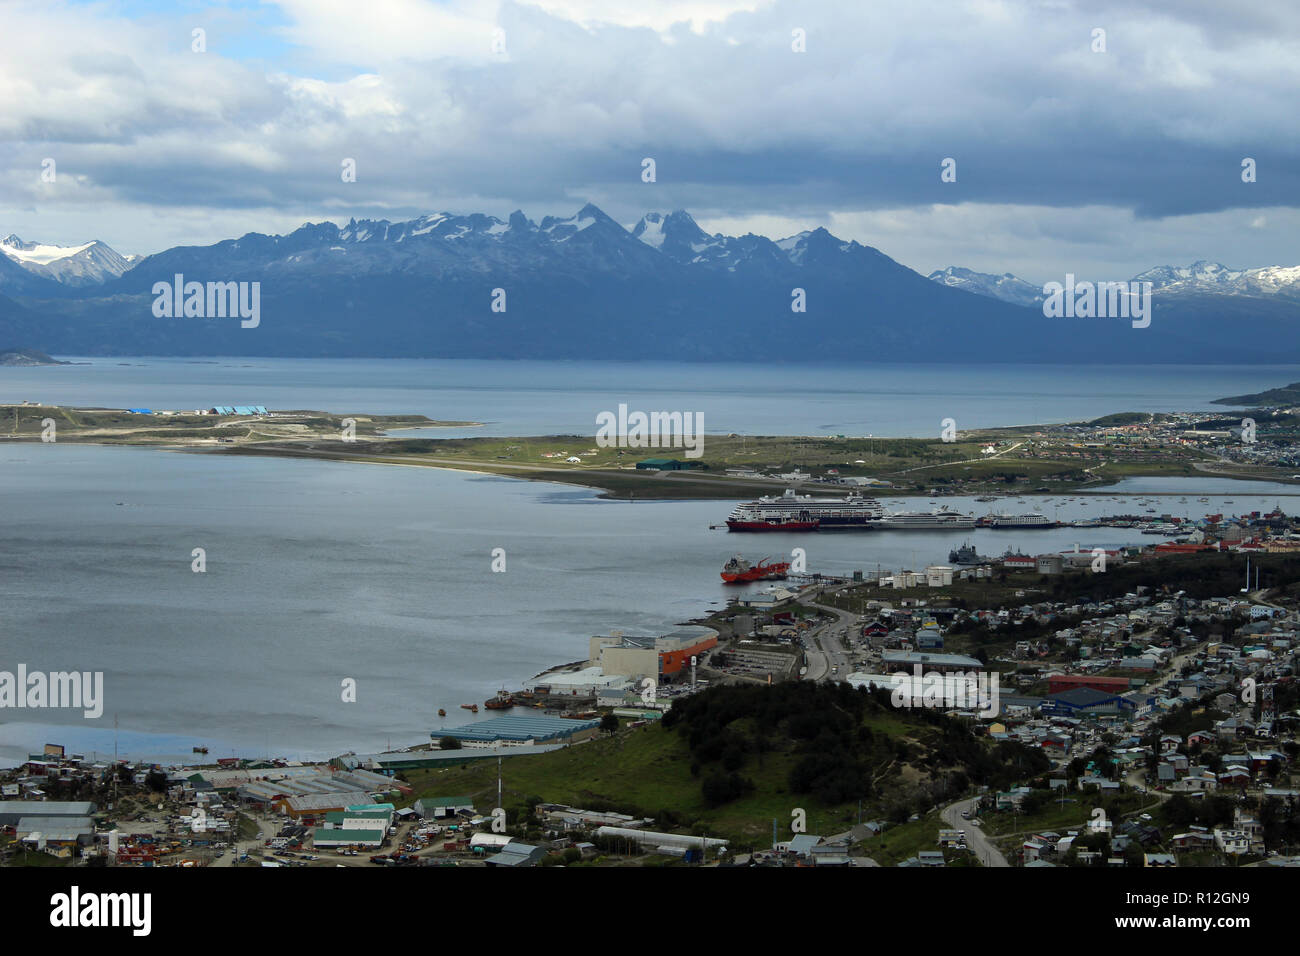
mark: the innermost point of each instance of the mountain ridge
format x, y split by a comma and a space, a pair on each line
585, 286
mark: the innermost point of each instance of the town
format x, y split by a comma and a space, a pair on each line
1144, 715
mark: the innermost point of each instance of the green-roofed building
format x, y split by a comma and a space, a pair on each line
438, 807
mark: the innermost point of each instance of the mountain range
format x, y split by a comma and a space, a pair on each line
1201, 278
584, 286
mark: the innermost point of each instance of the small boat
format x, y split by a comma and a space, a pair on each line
441, 712
470, 707
502, 701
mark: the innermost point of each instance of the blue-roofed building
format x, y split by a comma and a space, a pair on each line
140, 411
515, 729
1088, 701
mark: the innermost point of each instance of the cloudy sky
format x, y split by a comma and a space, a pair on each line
1067, 158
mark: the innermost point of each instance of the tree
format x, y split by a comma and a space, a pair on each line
609, 723
449, 743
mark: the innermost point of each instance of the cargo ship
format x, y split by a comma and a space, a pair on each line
740, 571
793, 512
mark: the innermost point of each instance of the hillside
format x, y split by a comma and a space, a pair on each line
731, 759
1286, 395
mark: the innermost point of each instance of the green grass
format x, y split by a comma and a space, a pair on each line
1075, 814
647, 771
906, 840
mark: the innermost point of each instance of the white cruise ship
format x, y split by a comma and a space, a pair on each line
794, 512
941, 520
1016, 521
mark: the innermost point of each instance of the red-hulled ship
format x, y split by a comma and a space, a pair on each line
739, 571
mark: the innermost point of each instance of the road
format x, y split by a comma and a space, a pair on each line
963, 461
825, 648
978, 843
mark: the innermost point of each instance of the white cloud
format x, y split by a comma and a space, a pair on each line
1057, 146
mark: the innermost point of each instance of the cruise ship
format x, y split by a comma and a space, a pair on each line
793, 512
941, 520
1016, 521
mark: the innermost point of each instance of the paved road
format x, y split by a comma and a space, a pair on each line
825, 648
964, 461
978, 843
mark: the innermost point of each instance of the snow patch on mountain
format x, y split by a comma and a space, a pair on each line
1006, 287
90, 263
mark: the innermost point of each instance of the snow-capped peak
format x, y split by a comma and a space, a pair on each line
90, 263
38, 253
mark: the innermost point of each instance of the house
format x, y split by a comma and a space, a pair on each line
1197, 838
1033, 850
1144, 834
802, 844
1235, 777
1158, 859
1248, 824
1231, 840
1009, 799
1198, 780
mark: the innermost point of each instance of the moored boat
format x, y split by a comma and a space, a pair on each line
1016, 521
740, 571
794, 512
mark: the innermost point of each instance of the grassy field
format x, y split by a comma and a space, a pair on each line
1025, 459
906, 840
118, 426
646, 771
1074, 814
